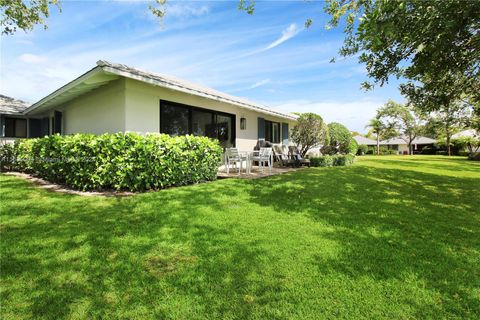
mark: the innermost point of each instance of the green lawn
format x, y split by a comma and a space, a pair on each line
390, 237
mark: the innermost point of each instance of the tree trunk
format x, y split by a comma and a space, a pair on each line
447, 134
378, 145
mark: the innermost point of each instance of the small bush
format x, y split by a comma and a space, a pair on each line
362, 149
441, 153
370, 151
332, 161
7, 156
322, 161
475, 156
121, 161
353, 147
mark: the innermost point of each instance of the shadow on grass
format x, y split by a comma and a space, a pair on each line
391, 224
68, 253
451, 165
179, 254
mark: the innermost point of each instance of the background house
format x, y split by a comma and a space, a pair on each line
366, 141
115, 98
14, 124
400, 144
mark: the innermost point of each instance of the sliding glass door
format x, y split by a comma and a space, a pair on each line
179, 119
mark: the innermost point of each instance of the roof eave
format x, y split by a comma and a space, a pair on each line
167, 85
63, 89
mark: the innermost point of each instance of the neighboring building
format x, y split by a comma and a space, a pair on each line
117, 98
470, 133
363, 140
400, 144
15, 124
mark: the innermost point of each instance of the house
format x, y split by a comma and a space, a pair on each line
363, 140
469, 133
117, 98
14, 124
400, 144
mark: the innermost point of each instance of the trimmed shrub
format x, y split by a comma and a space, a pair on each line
322, 161
120, 161
362, 149
7, 156
343, 160
332, 161
339, 137
353, 147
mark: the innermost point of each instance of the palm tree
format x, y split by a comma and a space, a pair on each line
378, 127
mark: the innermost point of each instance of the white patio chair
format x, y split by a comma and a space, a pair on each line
263, 158
233, 156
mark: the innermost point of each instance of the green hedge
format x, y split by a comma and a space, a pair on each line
332, 161
121, 161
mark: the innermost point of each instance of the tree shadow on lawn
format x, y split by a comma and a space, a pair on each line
65, 255
391, 224
452, 166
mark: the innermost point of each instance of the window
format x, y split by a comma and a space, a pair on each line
178, 119
203, 123
15, 128
174, 120
272, 131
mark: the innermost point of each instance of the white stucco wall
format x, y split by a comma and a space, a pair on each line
142, 111
99, 111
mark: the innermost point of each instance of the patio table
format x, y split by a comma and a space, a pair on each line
249, 159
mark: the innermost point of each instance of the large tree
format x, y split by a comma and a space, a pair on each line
404, 119
447, 120
380, 129
309, 131
427, 42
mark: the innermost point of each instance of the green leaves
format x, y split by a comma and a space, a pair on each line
309, 131
332, 160
339, 137
120, 161
433, 45
22, 14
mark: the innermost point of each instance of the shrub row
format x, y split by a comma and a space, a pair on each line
332, 161
383, 151
120, 161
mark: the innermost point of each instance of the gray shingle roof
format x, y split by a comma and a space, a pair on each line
363, 140
10, 105
404, 140
189, 87
466, 133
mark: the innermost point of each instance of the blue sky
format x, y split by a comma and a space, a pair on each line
268, 57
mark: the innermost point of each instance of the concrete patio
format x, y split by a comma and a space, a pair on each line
255, 173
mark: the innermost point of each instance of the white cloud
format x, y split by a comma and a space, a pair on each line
291, 31
259, 83
181, 10
288, 33
32, 58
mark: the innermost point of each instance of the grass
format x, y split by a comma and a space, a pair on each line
390, 237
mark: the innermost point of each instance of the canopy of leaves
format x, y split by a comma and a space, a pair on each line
23, 14
403, 118
309, 131
340, 136
380, 129
435, 45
